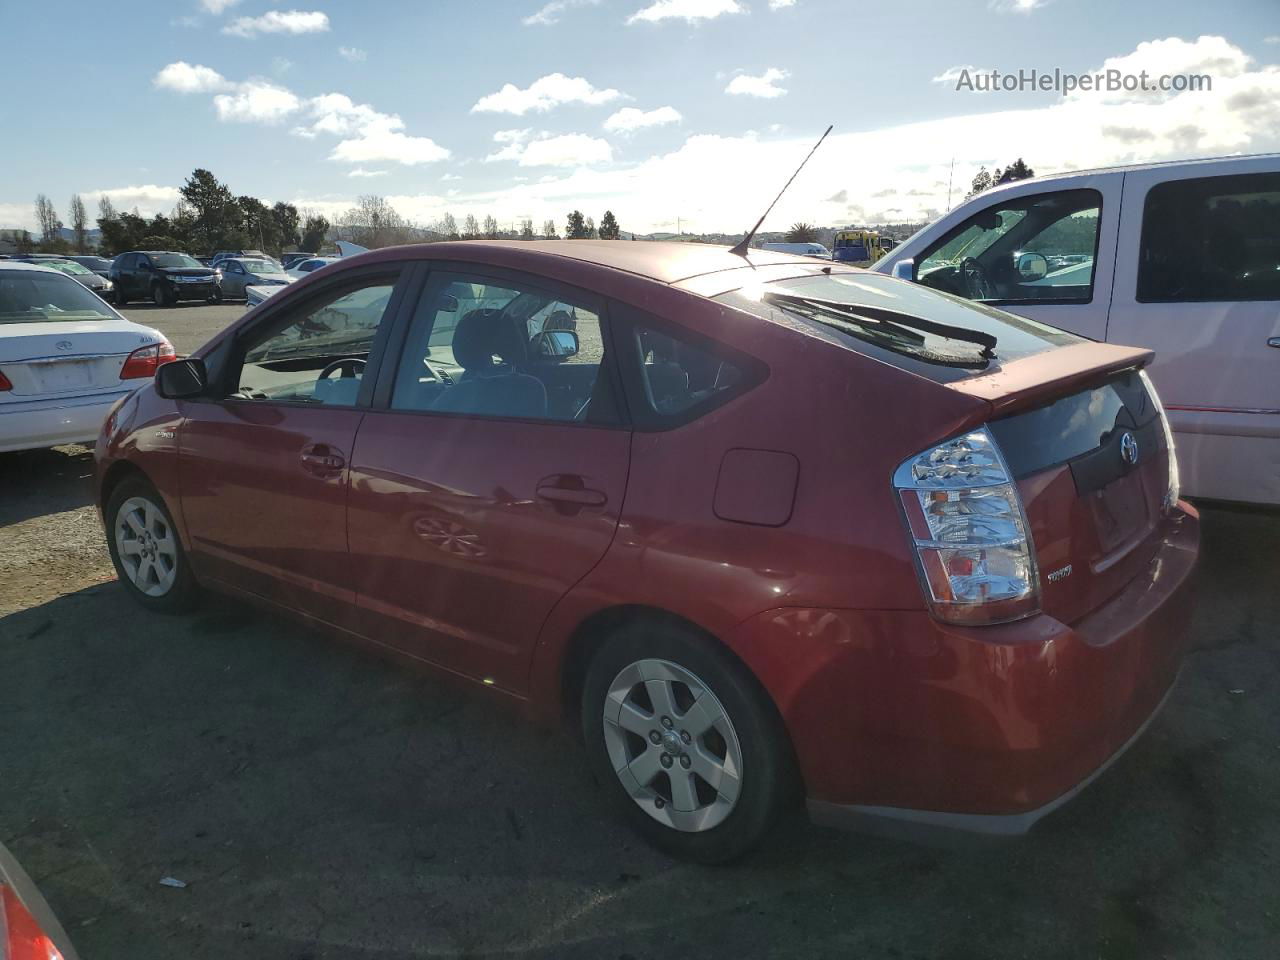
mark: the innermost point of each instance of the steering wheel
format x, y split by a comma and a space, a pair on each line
347, 365
974, 280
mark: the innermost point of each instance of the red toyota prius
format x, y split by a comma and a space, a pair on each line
757, 525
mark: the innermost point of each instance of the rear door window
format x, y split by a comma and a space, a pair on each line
1211, 239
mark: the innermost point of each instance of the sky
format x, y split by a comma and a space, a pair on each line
664, 111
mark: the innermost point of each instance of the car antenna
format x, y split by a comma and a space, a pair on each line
745, 243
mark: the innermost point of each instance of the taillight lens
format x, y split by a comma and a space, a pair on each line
4, 382
145, 361
20, 935
1175, 481
975, 556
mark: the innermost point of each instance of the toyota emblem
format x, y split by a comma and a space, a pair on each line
63, 344
1129, 449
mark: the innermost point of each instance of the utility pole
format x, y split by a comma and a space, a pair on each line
949, 177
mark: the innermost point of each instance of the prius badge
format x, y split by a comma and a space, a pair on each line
1129, 449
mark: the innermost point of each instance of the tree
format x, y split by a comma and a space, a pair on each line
590, 226
314, 230
256, 221
448, 227
47, 217
981, 181
25, 243
285, 218
470, 228
802, 233
575, 227
79, 223
106, 209
549, 230
218, 218
1014, 171
526, 229
490, 228
373, 223
609, 226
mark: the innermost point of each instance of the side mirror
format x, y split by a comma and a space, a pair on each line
1032, 266
448, 304
180, 379
905, 269
559, 344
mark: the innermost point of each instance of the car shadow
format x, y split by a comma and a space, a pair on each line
40, 482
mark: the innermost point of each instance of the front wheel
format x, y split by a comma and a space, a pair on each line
160, 297
146, 551
689, 745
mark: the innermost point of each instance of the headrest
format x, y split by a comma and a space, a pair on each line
483, 334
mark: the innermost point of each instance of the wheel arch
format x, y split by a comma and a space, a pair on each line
116, 474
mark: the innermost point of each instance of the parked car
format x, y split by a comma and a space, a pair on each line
287, 260
228, 254
239, 273
1181, 258
65, 358
99, 265
255, 295
81, 274
28, 928
301, 268
164, 277
589, 478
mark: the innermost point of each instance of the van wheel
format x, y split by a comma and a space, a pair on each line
146, 551
688, 744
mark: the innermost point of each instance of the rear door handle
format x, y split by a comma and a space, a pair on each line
321, 458
571, 490
1274, 342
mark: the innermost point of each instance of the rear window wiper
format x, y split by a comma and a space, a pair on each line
889, 325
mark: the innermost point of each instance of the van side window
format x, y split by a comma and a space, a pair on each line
1030, 249
1211, 239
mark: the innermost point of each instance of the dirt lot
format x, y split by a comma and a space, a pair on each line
187, 325
322, 803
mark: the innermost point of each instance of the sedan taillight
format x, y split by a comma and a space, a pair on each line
973, 551
145, 361
4, 382
20, 935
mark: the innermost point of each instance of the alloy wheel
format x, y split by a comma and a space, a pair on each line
672, 745
147, 546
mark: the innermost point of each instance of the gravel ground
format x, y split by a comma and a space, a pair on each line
322, 803
187, 325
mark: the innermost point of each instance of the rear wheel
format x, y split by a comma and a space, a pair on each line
689, 745
146, 551
120, 298
161, 297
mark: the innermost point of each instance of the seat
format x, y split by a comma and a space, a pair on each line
491, 349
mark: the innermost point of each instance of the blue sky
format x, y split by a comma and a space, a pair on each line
656, 108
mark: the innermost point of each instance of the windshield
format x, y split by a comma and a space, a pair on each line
67, 266
914, 328
260, 266
174, 260
31, 297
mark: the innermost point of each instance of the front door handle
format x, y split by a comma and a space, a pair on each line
571, 492
322, 459
1274, 342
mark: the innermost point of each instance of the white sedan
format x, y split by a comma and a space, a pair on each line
65, 358
310, 265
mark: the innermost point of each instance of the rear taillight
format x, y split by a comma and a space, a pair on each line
20, 935
4, 382
145, 361
1174, 489
973, 551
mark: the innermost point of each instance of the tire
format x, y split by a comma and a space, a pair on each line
217, 295
146, 551
120, 299
162, 298
636, 675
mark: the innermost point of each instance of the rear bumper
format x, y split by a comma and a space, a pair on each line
901, 720
36, 424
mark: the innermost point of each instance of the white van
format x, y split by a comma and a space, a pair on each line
1182, 258
803, 249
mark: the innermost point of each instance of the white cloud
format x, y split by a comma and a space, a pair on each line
281, 65
218, 7
550, 13
279, 21
1017, 6
780, 4
184, 77
765, 85
1274, 39
951, 75
379, 144
544, 94
1213, 56
450, 176
353, 54
256, 101
629, 119
567, 150
688, 10
362, 172
149, 198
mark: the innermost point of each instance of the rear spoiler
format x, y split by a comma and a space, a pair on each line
1043, 377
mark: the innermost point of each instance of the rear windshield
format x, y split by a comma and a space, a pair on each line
260, 266
31, 297
923, 331
174, 260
